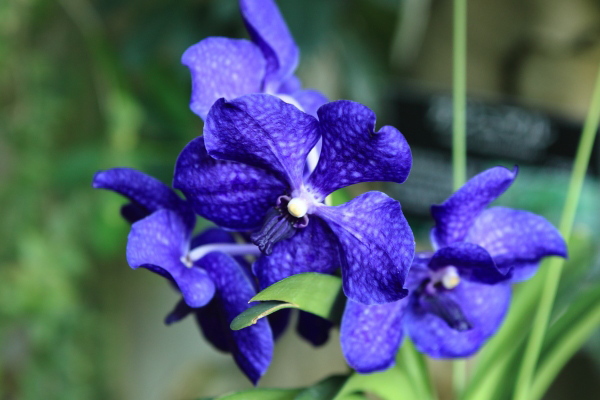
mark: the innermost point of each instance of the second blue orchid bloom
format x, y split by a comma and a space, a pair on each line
460, 293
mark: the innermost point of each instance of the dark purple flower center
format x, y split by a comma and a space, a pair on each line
279, 224
434, 297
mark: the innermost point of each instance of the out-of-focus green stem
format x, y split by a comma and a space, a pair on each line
459, 134
540, 323
459, 100
413, 363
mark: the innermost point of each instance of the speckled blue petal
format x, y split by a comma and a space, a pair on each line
377, 247
252, 347
516, 239
473, 262
310, 100
353, 152
371, 334
311, 249
263, 131
148, 194
232, 195
222, 67
313, 328
484, 306
159, 241
268, 30
454, 217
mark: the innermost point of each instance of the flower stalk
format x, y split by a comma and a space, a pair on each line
459, 137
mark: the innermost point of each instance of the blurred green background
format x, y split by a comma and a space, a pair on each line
88, 85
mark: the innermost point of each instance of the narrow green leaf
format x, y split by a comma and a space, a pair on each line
254, 313
318, 294
324, 390
578, 309
565, 337
414, 364
262, 394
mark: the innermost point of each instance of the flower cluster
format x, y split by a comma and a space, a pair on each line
270, 155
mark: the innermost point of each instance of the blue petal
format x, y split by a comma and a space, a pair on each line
455, 216
371, 335
268, 30
313, 328
213, 323
311, 249
377, 247
178, 313
147, 193
472, 261
516, 239
263, 131
230, 194
252, 347
353, 152
290, 86
158, 242
222, 67
484, 306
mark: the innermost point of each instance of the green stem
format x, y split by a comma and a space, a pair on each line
413, 363
459, 100
459, 377
540, 323
459, 134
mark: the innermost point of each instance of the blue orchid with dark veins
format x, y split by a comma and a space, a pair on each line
230, 68
460, 293
213, 282
247, 174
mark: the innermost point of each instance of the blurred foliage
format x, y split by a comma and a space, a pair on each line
88, 85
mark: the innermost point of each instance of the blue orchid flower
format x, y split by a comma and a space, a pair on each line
247, 174
214, 284
459, 294
229, 68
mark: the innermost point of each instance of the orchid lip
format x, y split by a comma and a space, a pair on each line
434, 295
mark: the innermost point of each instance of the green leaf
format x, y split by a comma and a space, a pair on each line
415, 367
318, 294
262, 394
254, 313
324, 390
338, 197
392, 384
